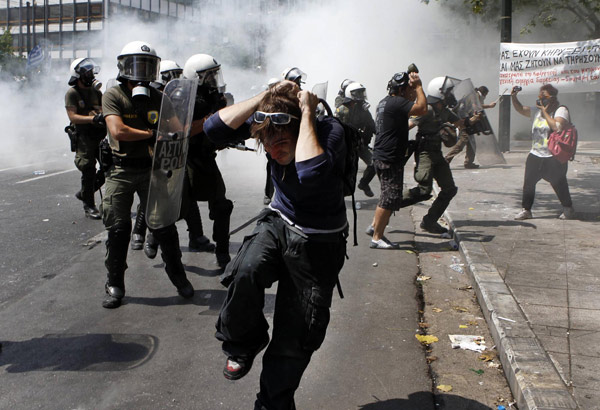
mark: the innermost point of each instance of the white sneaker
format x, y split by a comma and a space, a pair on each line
568, 213
383, 243
524, 214
370, 230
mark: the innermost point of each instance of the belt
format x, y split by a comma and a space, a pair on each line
125, 162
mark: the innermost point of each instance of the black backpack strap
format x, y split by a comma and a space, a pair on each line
355, 216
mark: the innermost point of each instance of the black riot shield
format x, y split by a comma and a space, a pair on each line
170, 153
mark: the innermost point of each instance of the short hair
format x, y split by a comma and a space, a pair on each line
483, 90
549, 88
277, 99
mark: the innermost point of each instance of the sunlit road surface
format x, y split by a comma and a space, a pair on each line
62, 350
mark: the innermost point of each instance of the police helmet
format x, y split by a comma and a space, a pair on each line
345, 84
435, 90
399, 80
206, 69
138, 61
294, 74
169, 70
84, 69
355, 92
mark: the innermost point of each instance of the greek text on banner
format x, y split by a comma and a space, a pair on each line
570, 67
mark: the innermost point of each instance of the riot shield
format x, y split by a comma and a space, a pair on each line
170, 153
466, 103
320, 90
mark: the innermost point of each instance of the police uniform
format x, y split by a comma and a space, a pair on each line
130, 174
430, 163
360, 118
86, 100
206, 181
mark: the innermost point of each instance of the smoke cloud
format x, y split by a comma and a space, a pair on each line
364, 41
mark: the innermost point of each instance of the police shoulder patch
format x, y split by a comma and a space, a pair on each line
153, 117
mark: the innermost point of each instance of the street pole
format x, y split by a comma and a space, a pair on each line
28, 15
504, 114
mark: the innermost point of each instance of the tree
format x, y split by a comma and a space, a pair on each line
546, 13
10, 64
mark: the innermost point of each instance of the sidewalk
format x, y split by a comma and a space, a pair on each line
537, 280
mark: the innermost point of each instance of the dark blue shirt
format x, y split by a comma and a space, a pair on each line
309, 194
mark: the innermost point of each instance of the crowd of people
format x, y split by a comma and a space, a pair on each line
300, 238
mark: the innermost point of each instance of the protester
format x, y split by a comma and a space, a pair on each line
390, 147
299, 241
547, 116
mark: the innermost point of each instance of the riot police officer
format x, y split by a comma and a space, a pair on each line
354, 110
206, 181
131, 110
83, 102
430, 162
341, 96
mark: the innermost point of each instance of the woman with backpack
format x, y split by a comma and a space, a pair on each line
548, 116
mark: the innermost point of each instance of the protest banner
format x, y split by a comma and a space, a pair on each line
570, 67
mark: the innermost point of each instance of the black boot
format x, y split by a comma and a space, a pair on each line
168, 240
116, 264
150, 246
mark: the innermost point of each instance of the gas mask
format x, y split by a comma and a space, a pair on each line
140, 92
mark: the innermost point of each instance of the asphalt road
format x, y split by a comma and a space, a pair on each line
62, 350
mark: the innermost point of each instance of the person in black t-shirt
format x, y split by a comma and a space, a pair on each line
390, 147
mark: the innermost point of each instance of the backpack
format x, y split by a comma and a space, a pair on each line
563, 144
352, 139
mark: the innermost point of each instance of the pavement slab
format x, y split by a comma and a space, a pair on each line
536, 280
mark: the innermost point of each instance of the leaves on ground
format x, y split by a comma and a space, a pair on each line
445, 388
460, 309
426, 339
437, 310
487, 356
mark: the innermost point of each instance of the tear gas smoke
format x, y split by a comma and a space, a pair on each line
330, 42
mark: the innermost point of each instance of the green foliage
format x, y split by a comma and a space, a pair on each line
6, 43
11, 65
585, 14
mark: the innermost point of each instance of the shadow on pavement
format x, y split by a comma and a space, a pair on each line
209, 273
76, 352
211, 298
426, 401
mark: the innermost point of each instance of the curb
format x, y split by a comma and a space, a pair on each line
532, 377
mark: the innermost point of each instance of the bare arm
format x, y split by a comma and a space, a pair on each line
121, 132
411, 124
78, 118
308, 145
525, 111
555, 124
420, 106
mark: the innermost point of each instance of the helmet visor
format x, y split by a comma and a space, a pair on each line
139, 67
87, 67
296, 75
167, 76
213, 79
360, 94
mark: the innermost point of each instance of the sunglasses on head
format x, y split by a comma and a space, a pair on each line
277, 118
